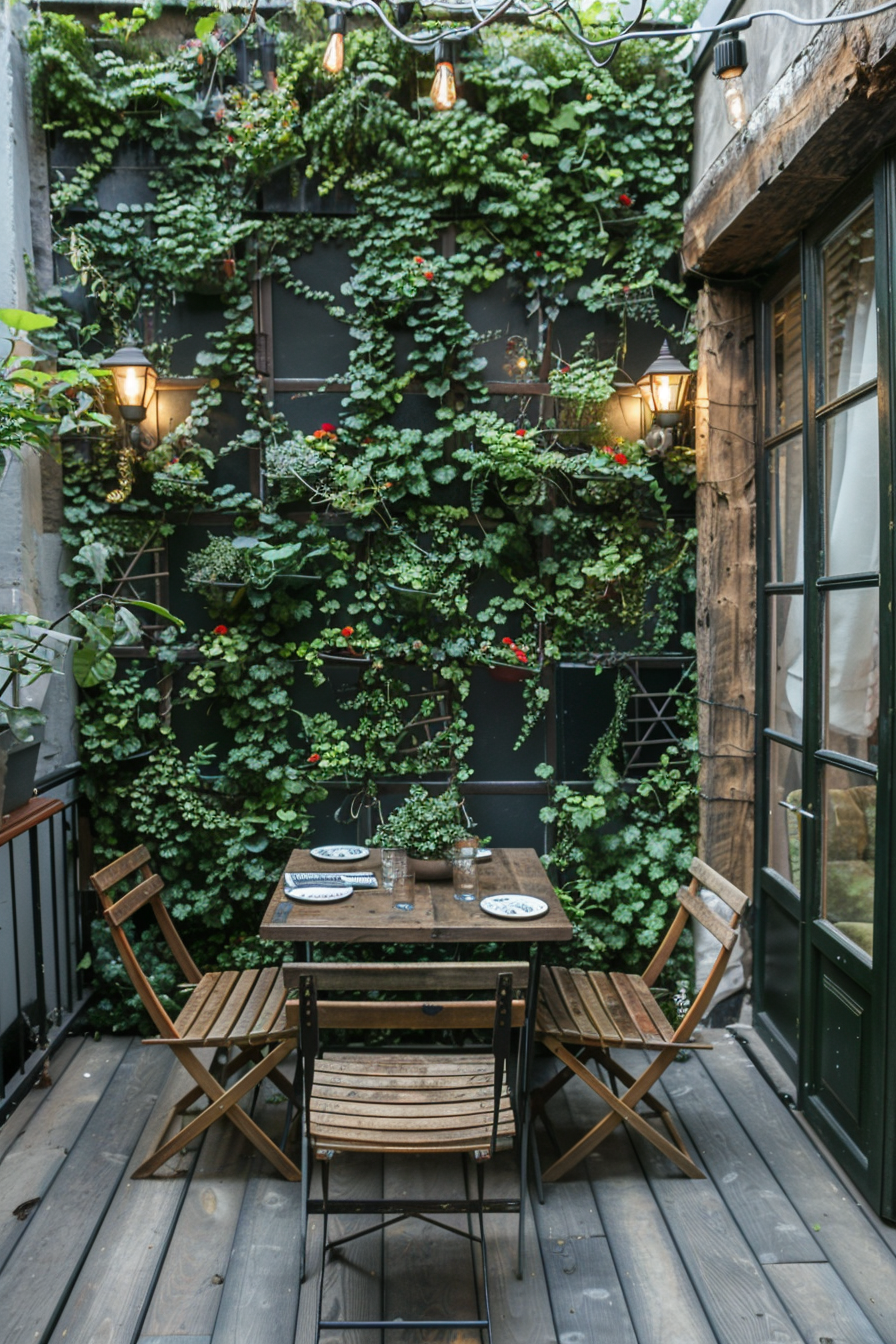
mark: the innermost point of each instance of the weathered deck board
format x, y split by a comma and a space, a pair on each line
660, 1297
56, 1069
38, 1151
766, 1217
851, 1244
45, 1264
624, 1249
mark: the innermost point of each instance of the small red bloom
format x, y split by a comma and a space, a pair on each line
328, 428
521, 656
220, 630
429, 275
621, 459
231, 140
348, 631
521, 433
314, 758
419, 261
524, 157
507, 640
625, 200
538, 254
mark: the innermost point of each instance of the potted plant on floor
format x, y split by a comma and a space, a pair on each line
426, 825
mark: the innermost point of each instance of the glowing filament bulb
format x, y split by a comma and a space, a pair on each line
735, 103
334, 56
132, 391
444, 88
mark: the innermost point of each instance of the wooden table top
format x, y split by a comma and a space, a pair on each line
367, 916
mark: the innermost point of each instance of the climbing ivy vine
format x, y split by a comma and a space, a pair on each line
519, 535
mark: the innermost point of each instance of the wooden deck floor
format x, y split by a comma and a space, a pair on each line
773, 1248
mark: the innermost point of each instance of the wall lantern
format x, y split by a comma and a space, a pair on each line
135, 384
729, 61
664, 388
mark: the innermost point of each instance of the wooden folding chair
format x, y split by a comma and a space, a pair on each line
584, 1015
242, 1010
399, 1102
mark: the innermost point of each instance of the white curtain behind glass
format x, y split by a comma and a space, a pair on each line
853, 513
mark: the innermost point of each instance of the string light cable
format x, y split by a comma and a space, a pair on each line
565, 12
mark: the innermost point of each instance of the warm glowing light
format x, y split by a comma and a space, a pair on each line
522, 362
135, 381
334, 56
735, 103
664, 387
444, 87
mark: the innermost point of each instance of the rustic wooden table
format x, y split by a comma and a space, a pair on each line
368, 916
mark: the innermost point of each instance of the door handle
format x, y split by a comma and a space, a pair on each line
792, 807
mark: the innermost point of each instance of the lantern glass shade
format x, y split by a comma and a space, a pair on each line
135, 381
664, 387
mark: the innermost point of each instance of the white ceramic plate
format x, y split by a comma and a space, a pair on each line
319, 895
509, 905
340, 853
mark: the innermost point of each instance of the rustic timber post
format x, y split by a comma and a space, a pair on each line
726, 578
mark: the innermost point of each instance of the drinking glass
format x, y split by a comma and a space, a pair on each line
403, 892
465, 878
395, 866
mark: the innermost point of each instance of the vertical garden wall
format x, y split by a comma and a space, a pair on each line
385, 482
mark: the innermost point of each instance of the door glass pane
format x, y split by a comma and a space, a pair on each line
848, 854
785, 765
786, 406
850, 320
786, 645
852, 672
786, 511
852, 491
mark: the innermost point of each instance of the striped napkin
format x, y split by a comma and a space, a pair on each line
294, 881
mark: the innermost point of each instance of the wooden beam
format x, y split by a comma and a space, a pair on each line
818, 126
726, 579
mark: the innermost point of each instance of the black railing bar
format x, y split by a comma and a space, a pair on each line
54, 899
33, 1064
37, 918
15, 948
69, 870
57, 777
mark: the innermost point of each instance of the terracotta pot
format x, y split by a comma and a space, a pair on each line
430, 870
502, 672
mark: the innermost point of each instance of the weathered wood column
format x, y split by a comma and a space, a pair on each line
726, 578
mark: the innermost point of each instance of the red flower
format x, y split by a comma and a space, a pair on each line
621, 459
507, 640
521, 656
348, 631
328, 428
220, 630
625, 200
429, 275
419, 261
314, 758
230, 140
524, 157
521, 433
538, 254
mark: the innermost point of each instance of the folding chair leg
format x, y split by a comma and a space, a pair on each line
536, 1164
224, 1103
621, 1108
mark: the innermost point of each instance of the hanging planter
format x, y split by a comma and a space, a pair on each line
506, 673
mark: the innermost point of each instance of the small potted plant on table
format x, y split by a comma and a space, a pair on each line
426, 825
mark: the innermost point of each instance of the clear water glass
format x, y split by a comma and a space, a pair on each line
465, 876
395, 866
403, 892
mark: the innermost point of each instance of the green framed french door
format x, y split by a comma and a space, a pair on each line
825, 963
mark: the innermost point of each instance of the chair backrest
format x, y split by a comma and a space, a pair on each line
693, 905
148, 891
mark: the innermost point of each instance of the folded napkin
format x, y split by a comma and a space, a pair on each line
361, 879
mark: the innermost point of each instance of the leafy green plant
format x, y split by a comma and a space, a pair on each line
425, 824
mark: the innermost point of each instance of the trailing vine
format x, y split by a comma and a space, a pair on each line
436, 539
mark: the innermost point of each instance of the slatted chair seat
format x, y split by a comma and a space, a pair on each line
242, 1011
405, 1102
582, 1016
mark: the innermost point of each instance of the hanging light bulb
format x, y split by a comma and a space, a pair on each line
444, 87
729, 61
334, 56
